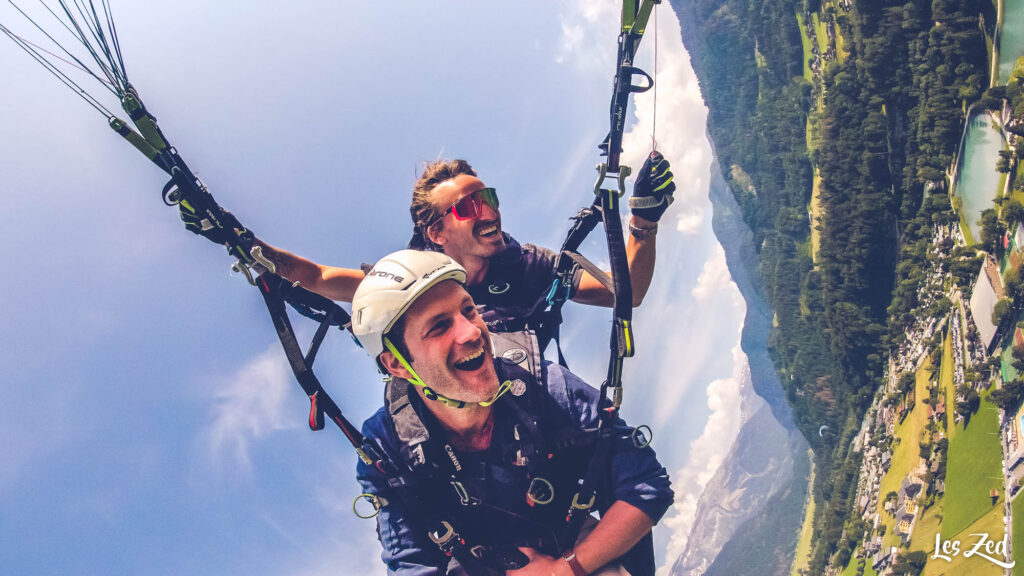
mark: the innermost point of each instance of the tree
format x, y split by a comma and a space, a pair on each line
1000, 310
1009, 396
1003, 162
907, 380
992, 99
930, 174
1017, 353
970, 402
910, 564
992, 231
1013, 211
1014, 283
892, 496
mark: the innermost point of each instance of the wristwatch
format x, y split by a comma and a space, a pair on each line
570, 558
643, 233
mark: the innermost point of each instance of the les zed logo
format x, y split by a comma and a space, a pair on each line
984, 547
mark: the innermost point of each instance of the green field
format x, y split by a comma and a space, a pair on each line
807, 47
927, 527
1018, 68
815, 215
1006, 363
803, 544
974, 466
851, 568
906, 453
991, 524
965, 228
819, 32
1017, 508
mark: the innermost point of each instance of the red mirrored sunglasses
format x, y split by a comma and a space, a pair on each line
471, 205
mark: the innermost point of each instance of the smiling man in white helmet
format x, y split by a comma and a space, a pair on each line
494, 446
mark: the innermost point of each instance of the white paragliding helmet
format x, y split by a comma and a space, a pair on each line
387, 292
390, 288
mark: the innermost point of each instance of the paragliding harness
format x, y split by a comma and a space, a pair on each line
434, 467
98, 34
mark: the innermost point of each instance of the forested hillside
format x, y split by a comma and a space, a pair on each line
852, 139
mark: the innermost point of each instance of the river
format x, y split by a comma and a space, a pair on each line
977, 181
1011, 37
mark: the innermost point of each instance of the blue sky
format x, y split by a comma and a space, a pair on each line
149, 421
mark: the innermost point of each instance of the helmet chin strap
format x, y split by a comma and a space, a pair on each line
431, 394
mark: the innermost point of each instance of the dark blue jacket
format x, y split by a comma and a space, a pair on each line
561, 403
513, 294
516, 284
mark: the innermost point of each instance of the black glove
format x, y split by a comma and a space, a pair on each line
216, 224
653, 190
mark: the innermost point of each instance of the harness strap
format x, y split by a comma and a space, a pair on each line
635, 14
321, 404
600, 275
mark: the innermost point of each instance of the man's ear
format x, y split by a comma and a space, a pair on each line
434, 234
390, 363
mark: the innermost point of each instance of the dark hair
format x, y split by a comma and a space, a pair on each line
421, 209
397, 337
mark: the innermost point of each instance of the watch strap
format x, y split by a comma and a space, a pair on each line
570, 558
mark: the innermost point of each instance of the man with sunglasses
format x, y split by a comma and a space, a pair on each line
454, 212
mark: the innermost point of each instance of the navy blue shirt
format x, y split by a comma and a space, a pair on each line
513, 294
633, 475
517, 282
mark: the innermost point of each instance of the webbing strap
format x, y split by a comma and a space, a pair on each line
151, 142
623, 311
565, 264
600, 275
635, 14
321, 404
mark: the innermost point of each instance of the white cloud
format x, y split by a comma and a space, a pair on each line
706, 454
689, 219
572, 37
586, 28
693, 332
715, 280
248, 406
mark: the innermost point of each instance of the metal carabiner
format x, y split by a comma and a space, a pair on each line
261, 261
257, 255
532, 499
602, 173
239, 267
645, 437
461, 492
374, 501
442, 539
576, 502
